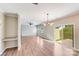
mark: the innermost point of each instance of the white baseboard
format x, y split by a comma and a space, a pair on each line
2, 51
75, 49
5, 49
11, 47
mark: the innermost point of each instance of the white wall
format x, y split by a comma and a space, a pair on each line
28, 30
74, 19
45, 32
49, 32
1, 34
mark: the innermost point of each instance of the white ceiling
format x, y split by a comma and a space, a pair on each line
37, 13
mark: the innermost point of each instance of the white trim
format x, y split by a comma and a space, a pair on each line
75, 49
51, 41
2, 51
10, 40
74, 41
11, 47
19, 32
74, 36
5, 49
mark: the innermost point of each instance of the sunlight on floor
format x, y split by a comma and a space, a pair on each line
61, 50
40, 42
66, 42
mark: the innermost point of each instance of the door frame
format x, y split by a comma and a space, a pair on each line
62, 32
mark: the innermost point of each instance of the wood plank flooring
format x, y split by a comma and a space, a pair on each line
36, 46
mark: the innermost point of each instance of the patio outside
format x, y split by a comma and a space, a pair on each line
64, 35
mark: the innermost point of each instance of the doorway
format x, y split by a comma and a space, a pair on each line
64, 34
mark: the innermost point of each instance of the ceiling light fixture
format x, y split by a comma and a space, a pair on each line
47, 22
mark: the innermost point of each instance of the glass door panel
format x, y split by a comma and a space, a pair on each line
68, 36
64, 35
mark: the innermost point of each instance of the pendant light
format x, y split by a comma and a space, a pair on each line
47, 22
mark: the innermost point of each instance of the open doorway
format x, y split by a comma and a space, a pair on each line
64, 34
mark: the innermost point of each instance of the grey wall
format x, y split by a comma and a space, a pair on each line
45, 32
28, 30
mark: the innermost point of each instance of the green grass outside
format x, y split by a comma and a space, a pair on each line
67, 32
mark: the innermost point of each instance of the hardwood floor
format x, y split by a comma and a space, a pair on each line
36, 46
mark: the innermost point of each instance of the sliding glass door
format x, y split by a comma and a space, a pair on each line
64, 35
